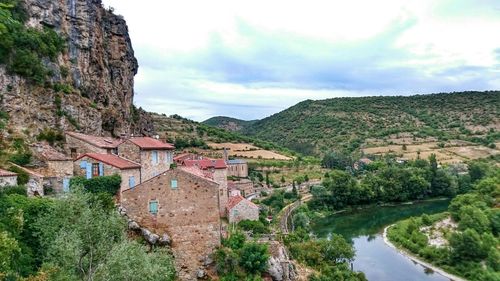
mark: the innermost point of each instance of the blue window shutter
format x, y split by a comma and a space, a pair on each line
88, 171
66, 184
153, 207
173, 184
154, 157
101, 169
83, 164
131, 182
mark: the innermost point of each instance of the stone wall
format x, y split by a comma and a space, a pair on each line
189, 214
149, 169
109, 171
220, 177
130, 151
243, 211
237, 170
8, 181
82, 147
60, 169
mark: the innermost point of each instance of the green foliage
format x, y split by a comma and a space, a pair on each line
253, 257
239, 260
51, 136
343, 124
104, 184
22, 176
335, 160
257, 227
473, 250
24, 49
21, 158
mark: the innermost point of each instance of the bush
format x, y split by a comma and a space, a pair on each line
257, 227
254, 257
106, 184
22, 176
21, 158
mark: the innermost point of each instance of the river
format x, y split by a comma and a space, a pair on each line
364, 229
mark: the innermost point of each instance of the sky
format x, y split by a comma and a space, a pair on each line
251, 59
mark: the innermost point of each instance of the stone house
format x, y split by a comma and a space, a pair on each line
239, 208
56, 167
184, 204
36, 182
78, 144
218, 170
237, 168
153, 155
7, 178
245, 186
92, 165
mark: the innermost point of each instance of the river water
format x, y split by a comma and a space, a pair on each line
364, 229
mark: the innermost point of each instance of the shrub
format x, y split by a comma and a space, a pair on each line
254, 257
21, 158
257, 227
105, 184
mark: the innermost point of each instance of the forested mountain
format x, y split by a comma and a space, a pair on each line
228, 123
313, 127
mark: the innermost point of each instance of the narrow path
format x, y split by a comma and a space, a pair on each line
419, 261
288, 210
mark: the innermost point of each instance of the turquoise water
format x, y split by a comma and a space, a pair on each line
364, 229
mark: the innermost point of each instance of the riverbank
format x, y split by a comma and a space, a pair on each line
418, 260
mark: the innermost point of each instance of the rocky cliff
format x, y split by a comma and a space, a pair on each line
91, 82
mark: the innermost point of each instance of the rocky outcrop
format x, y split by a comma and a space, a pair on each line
97, 69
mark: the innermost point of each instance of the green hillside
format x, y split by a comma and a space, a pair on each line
228, 123
315, 127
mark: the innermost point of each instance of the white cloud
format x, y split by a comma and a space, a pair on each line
249, 59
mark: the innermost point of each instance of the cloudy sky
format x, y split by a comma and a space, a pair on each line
250, 59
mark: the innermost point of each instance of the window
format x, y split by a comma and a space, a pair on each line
74, 154
153, 207
95, 169
154, 157
168, 157
131, 181
173, 184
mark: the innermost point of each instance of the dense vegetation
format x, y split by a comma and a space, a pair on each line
343, 124
330, 258
76, 237
389, 181
228, 123
22, 49
238, 259
473, 250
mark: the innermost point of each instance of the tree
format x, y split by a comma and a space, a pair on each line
253, 257
466, 246
474, 218
336, 250
335, 160
283, 179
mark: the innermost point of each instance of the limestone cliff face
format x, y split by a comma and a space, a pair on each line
98, 64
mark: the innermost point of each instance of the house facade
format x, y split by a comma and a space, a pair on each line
239, 208
218, 170
56, 167
92, 165
78, 144
244, 186
237, 168
153, 155
7, 178
183, 205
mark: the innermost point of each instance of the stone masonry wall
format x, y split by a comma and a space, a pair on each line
8, 181
129, 151
82, 147
189, 214
243, 211
149, 169
220, 177
109, 171
60, 168
237, 170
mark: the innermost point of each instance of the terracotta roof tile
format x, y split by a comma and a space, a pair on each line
206, 163
48, 153
235, 200
113, 160
102, 142
4, 173
150, 143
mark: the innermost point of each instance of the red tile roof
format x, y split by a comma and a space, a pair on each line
150, 143
4, 173
113, 160
206, 163
197, 172
102, 142
235, 200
